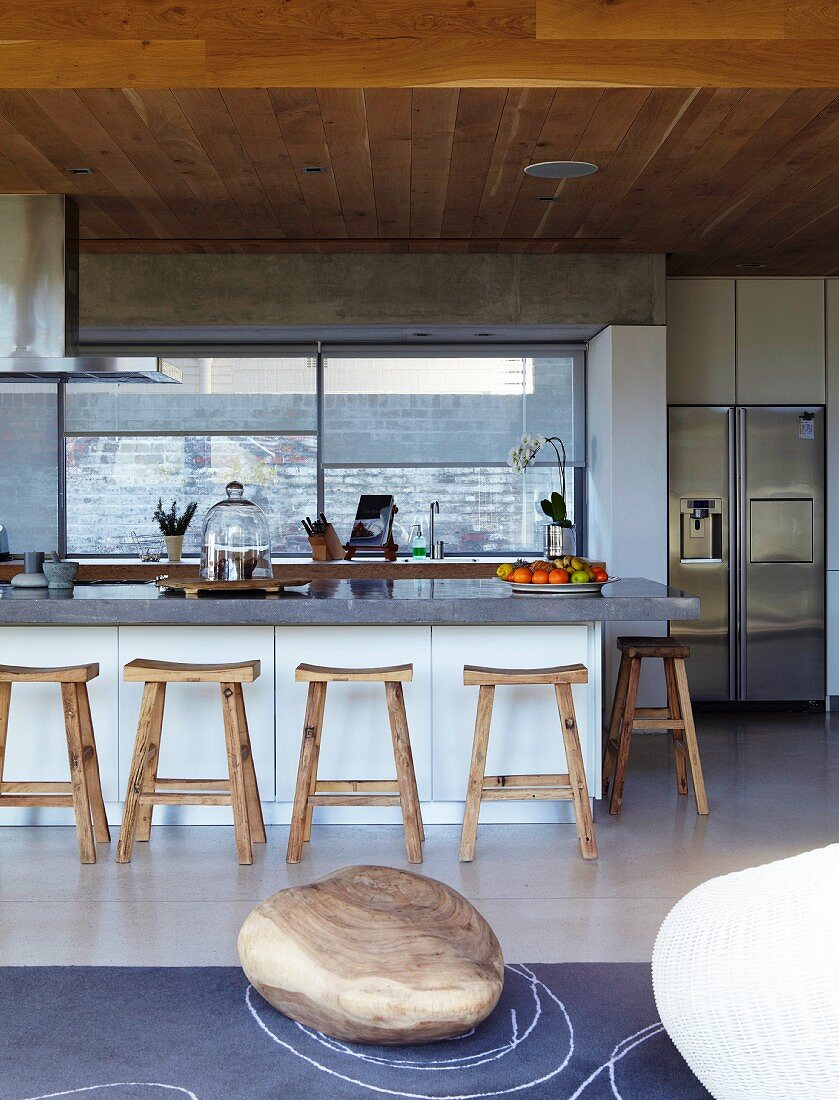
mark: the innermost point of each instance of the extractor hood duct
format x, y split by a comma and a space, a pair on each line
39, 300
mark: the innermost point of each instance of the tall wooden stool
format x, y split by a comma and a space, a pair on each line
676, 716
311, 791
146, 790
513, 788
84, 790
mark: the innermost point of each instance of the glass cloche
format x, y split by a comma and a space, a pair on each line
235, 542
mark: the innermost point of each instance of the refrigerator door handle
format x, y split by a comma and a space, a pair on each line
742, 554
732, 563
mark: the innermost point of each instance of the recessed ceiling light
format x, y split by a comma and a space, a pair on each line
80, 171
422, 334
313, 170
547, 198
483, 334
560, 169
750, 265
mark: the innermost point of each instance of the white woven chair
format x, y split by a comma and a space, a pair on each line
746, 979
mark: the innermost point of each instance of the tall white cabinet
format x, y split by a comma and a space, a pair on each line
700, 341
780, 342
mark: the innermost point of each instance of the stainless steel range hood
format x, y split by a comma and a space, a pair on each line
39, 300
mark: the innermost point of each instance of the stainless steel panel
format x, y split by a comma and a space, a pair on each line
38, 275
99, 368
782, 607
780, 531
699, 468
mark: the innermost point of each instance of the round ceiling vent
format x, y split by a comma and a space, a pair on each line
560, 169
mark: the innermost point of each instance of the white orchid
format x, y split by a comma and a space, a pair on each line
522, 455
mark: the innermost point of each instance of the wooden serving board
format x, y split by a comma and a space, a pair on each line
191, 587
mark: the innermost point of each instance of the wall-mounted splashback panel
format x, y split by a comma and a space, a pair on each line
39, 278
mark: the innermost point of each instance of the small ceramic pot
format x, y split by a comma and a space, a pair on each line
174, 547
60, 574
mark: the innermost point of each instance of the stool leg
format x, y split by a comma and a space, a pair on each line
626, 719
477, 768
678, 736
78, 777
141, 760
5, 701
146, 812
412, 775
238, 794
312, 724
313, 786
255, 819
618, 706
404, 770
576, 771
691, 743
91, 767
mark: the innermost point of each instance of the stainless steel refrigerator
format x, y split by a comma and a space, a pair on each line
746, 534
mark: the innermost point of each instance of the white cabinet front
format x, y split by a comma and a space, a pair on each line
193, 745
356, 741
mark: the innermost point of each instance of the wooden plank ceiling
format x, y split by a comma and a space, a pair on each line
714, 177
413, 43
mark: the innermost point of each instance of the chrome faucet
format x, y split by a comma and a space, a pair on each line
435, 548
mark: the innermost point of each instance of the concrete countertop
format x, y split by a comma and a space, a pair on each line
347, 602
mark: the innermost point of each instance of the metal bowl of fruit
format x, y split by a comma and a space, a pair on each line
567, 576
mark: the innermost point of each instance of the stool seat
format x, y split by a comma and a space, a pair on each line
142, 671
676, 717
310, 792
654, 647
324, 674
146, 789
475, 675
83, 790
65, 674
570, 785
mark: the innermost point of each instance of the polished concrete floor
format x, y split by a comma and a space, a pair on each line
773, 784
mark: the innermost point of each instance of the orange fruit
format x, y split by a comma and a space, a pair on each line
522, 575
541, 576
558, 576
601, 575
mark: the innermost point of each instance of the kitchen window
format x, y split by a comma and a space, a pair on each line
307, 433
439, 427
128, 445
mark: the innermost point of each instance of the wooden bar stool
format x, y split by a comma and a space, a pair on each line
512, 788
84, 790
676, 716
146, 790
311, 791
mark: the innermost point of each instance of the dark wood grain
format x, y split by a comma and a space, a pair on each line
712, 177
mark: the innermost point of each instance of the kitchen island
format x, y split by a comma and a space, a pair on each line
437, 624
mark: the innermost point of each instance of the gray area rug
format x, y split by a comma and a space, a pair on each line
559, 1033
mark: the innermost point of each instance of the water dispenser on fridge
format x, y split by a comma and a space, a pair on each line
701, 529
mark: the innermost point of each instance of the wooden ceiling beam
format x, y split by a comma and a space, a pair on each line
418, 43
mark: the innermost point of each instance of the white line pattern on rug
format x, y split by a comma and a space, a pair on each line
467, 1061
116, 1085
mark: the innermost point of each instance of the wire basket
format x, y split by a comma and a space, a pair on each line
149, 547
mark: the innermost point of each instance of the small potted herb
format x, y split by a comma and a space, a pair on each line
174, 526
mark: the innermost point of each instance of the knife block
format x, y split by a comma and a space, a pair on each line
327, 547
